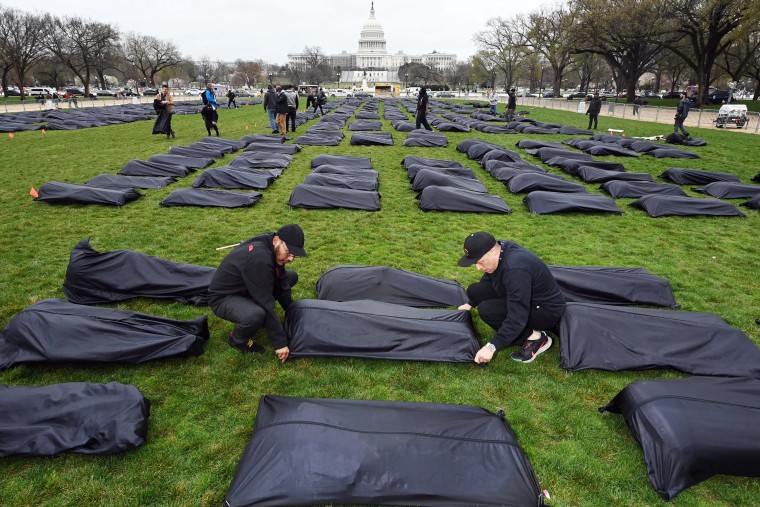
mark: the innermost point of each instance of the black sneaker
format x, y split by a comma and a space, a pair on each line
248, 347
532, 348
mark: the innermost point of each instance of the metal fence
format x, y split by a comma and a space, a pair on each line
700, 118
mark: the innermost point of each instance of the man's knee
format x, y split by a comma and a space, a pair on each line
292, 277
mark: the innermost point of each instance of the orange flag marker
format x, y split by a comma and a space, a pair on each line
246, 127
10, 134
44, 131
33, 193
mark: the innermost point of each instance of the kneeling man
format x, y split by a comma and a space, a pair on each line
249, 281
517, 296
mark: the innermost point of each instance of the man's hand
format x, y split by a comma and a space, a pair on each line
484, 356
466, 307
282, 354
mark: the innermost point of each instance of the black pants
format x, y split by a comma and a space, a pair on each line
422, 120
231, 102
593, 118
678, 125
320, 109
244, 312
210, 117
291, 119
493, 310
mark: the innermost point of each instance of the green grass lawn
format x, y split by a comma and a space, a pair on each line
203, 409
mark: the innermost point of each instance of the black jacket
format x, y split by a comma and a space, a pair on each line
512, 101
282, 103
422, 103
270, 100
683, 109
595, 106
251, 270
525, 282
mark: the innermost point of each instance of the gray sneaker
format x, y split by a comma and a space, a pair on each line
532, 348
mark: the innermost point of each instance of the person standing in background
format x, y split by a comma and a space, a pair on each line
270, 106
594, 108
423, 105
292, 108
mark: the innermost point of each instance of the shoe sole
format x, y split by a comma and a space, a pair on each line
540, 351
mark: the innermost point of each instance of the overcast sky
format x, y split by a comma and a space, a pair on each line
231, 29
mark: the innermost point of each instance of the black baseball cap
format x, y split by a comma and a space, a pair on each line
292, 235
476, 245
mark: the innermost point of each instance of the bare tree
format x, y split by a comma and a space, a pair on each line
51, 71
548, 33
314, 65
78, 44
22, 35
628, 34
738, 57
151, 55
708, 26
457, 74
485, 68
502, 43
247, 73
205, 70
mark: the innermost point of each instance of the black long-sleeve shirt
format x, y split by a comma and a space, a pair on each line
524, 281
251, 270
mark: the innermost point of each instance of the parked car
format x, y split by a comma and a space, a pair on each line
577, 95
362, 94
651, 95
150, 91
78, 92
719, 96
675, 94
623, 94
193, 91
39, 92
445, 95
128, 92
550, 95
106, 93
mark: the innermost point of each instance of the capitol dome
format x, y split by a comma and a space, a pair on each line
372, 46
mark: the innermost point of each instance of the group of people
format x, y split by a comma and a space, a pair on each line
517, 295
281, 105
163, 104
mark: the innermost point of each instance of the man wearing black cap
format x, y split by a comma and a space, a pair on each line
249, 281
682, 111
517, 296
594, 108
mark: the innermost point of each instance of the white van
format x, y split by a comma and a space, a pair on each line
39, 92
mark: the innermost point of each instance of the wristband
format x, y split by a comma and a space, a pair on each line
490, 346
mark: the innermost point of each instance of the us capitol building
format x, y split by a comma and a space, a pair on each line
372, 62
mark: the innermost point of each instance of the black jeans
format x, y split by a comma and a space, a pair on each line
422, 120
291, 119
492, 308
593, 117
244, 312
320, 109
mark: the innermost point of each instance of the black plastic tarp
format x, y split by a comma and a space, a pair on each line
116, 181
693, 428
356, 182
672, 153
636, 189
571, 165
617, 338
76, 417
211, 198
596, 175
381, 453
377, 330
261, 159
287, 149
696, 176
360, 125
345, 170
455, 199
426, 139
316, 197
673, 205
613, 286
94, 277
530, 181
372, 138
344, 160
729, 190
462, 172
57, 192
56, 331
548, 153
753, 203
410, 160
189, 162
429, 177
154, 168
219, 178
195, 152
389, 285
541, 202
321, 139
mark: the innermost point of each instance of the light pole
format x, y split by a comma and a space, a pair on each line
406, 83
270, 76
338, 78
